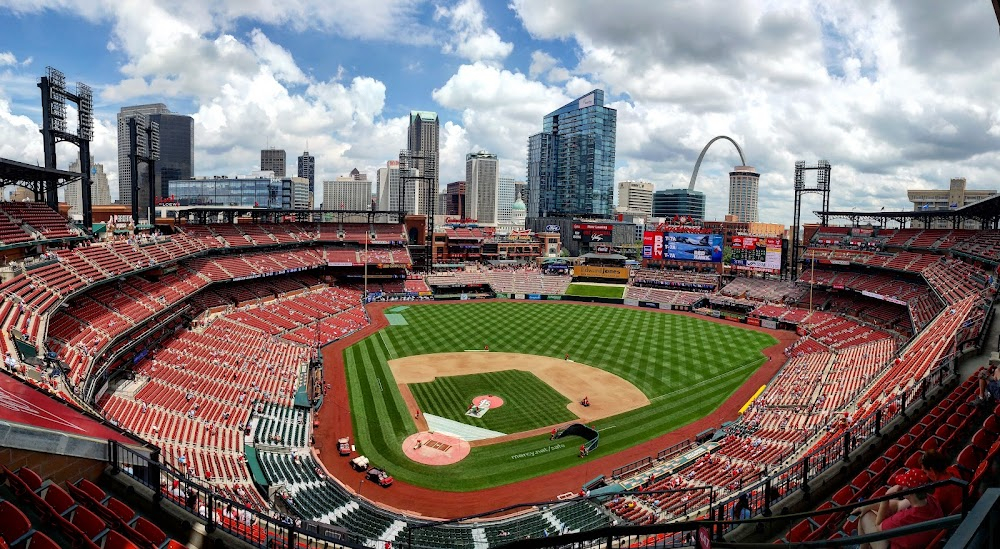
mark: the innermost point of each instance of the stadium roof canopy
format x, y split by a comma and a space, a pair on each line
985, 211
13, 172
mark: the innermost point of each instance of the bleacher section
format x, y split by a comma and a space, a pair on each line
675, 279
37, 219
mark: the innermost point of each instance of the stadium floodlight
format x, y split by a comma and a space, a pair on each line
86, 111
57, 99
154, 140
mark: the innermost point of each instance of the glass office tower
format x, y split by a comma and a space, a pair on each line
571, 163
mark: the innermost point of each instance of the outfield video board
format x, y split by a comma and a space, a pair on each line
756, 253
682, 246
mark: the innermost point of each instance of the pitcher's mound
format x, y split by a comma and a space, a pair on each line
495, 401
435, 448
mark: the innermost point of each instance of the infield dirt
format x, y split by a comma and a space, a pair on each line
609, 394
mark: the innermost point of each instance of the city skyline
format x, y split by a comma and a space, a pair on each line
892, 94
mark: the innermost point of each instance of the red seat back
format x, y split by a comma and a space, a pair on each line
91, 489
118, 541
90, 524
13, 523
58, 499
120, 509
41, 541
150, 531
30, 478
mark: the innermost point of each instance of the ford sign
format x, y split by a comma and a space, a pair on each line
552, 228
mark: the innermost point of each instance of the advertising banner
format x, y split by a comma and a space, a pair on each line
754, 253
592, 232
652, 245
693, 247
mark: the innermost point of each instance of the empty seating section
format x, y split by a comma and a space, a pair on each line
954, 280
196, 394
43, 219
680, 279
295, 317
11, 232
952, 420
774, 291
985, 244
280, 425
44, 515
526, 282
664, 296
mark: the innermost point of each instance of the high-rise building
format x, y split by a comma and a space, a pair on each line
481, 186
307, 170
418, 162
456, 199
521, 191
571, 163
955, 196
635, 197
100, 192
176, 151
743, 184
273, 160
679, 203
505, 199
388, 186
351, 192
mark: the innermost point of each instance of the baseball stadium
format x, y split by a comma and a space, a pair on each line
302, 384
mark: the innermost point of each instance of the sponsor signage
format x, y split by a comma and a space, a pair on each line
601, 272
586, 101
552, 228
769, 324
753, 321
755, 253
339, 264
693, 247
534, 297
650, 304
592, 232
652, 245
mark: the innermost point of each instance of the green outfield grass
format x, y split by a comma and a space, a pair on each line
528, 402
686, 366
590, 290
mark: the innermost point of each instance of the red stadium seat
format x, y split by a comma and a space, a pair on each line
149, 532
117, 541
992, 425
41, 541
122, 513
983, 440
57, 499
799, 532
14, 525
967, 462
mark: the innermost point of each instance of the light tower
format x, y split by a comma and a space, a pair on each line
822, 187
54, 97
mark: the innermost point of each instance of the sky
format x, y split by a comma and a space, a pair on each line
895, 95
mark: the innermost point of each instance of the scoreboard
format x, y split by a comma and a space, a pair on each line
756, 253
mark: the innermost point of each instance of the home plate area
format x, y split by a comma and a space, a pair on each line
434, 448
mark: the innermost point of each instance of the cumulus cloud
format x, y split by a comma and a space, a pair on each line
894, 95
469, 35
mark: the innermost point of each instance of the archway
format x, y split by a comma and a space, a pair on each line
697, 165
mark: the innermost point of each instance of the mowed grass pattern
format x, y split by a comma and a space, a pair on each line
589, 290
529, 403
686, 366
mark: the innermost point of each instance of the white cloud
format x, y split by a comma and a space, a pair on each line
470, 36
7, 58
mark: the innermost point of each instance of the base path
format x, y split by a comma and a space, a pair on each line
335, 421
609, 394
435, 448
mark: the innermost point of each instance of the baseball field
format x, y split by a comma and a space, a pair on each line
645, 372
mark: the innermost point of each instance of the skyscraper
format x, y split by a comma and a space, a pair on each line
387, 192
307, 170
273, 160
505, 200
635, 197
418, 162
100, 192
456, 199
176, 151
481, 186
743, 184
350, 192
670, 203
571, 163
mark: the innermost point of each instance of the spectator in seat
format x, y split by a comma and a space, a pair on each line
989, 386
935, 464
922, 507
